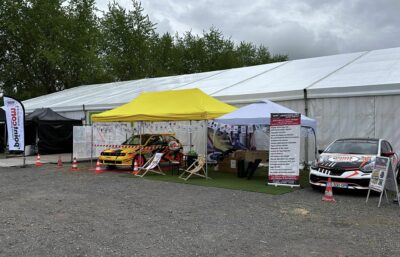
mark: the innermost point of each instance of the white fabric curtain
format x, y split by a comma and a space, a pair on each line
295, 105
342, 118
387, 119
368, 116
191, 134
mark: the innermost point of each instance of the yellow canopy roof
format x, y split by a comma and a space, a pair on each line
188, 104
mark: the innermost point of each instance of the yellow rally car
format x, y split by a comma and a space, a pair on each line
140, 148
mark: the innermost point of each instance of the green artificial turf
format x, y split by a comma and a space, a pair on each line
230, 181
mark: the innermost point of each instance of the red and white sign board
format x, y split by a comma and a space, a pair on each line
284, 149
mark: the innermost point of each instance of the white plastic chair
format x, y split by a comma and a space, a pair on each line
151, 164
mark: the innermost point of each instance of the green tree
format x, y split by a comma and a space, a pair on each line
46, 46
31, 60
219, 51
164, 56
127, 37
246, 54
82, 64
51, 45
193, 53
12, 70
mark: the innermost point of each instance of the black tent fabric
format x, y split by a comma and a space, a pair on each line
2, 129
52, 132
2, 115
46, 114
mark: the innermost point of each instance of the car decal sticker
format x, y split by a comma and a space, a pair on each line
353, 174
363, 163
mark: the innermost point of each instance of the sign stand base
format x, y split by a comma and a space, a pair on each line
285, 185
383, 180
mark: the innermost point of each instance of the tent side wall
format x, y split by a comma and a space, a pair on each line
56, 136
371, 116
295, 105
343, 118
49, 131
363, 116
387, 119
339, 117
75, 115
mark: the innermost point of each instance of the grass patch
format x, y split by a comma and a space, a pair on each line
230, 181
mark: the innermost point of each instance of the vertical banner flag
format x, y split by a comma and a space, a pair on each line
15, 116
284, 149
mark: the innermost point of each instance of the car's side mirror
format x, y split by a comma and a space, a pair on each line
388, 154
320, 151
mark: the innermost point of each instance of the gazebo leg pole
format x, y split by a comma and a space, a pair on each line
190, 135
140, 137
91, 148
306, 146
206, 145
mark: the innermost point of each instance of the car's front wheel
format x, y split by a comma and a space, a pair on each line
398, 173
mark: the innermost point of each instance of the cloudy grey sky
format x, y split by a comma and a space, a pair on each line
299, 28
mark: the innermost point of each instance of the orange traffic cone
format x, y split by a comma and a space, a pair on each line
59, 162
74, 165
98, 168
38, 163
328, 196
135, 168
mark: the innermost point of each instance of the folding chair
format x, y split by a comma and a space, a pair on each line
153, 162
195, 168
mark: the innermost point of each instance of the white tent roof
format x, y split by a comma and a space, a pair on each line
289, 80
260, 114
373, 73
365, 73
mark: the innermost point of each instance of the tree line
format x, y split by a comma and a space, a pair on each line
51, 45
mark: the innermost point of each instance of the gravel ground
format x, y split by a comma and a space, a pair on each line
50, 212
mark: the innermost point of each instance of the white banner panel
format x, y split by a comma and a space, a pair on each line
82, 142
191, 134
110, 135
15, 116
89, 141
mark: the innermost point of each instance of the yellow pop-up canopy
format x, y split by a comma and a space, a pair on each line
188, 104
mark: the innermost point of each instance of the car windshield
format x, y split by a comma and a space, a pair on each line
155, 140
353, 147
135, 140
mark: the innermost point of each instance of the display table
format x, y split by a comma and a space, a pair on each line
229, 163
251, 155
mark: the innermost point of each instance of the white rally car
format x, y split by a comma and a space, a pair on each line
349, 162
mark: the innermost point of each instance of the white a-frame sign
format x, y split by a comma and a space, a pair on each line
383, 179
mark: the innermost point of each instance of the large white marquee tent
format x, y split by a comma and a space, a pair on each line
350, 95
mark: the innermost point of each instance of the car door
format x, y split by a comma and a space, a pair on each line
386, 149
395, 157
